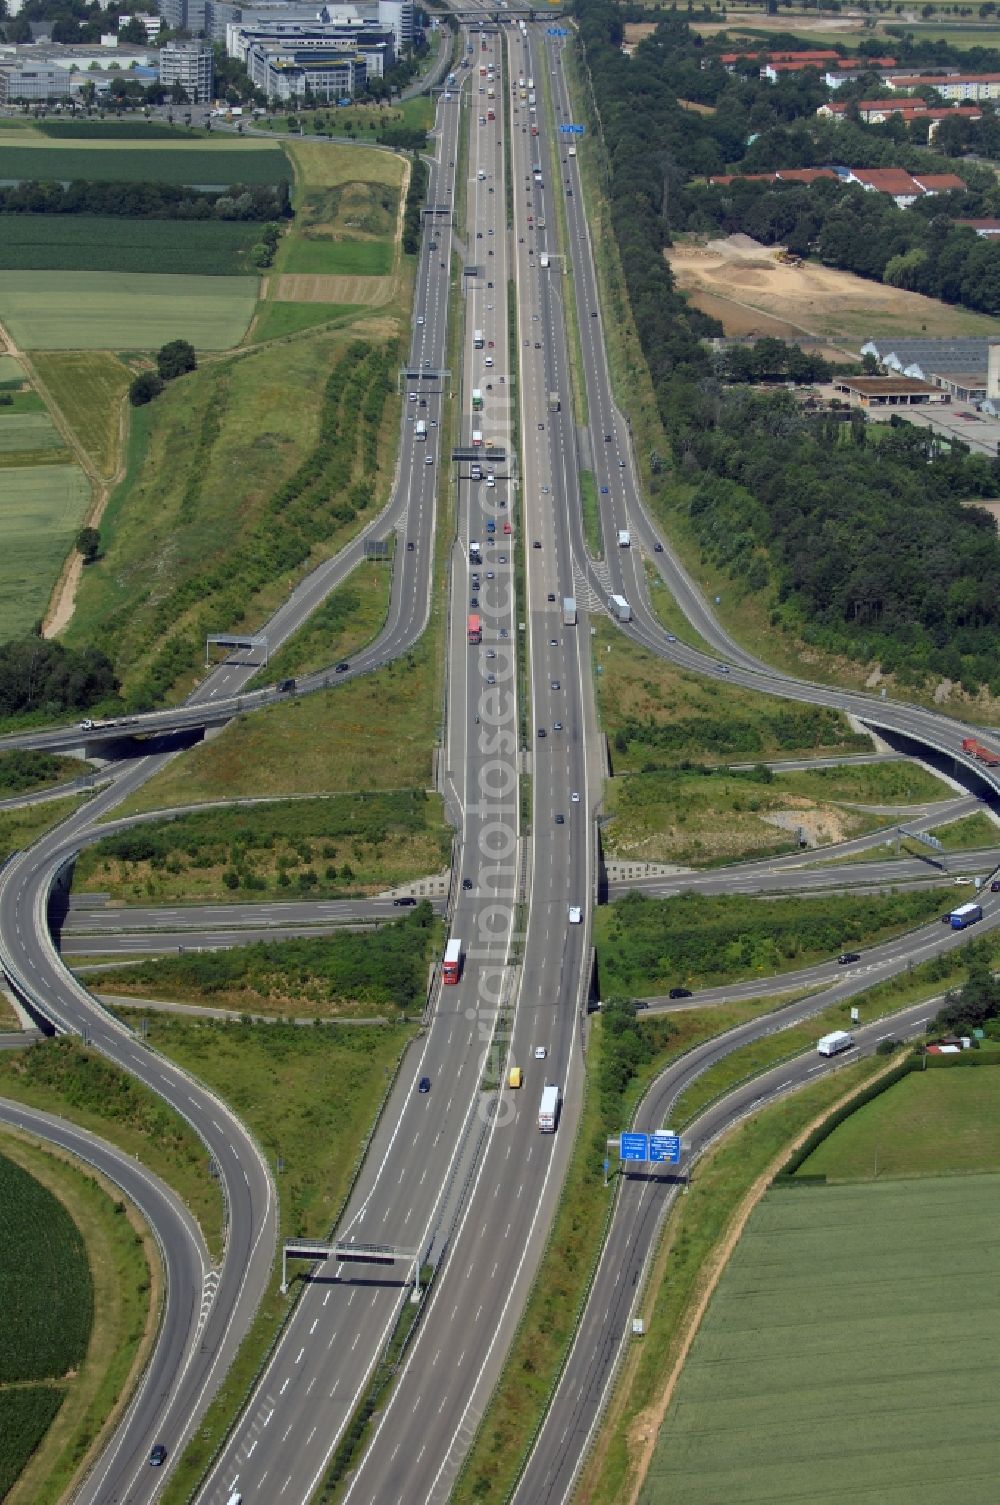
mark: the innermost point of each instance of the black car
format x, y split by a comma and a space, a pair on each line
657, 548
536, 544
473, 601
158, 1455
286, 684
679, 993
466, 883
342, 668
541, 731
846, 957
409, 548
995, 887
404, 903
551, 596
424, 1084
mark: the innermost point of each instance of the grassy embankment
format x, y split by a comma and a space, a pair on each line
278, 1080
704, 816
646, 946
350, 617
19, 828
346, 976
906, 1363
301, 425
75, 1330
291, 849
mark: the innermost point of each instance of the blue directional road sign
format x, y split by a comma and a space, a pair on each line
634, 1147
665, 1148
577, 130
566, 130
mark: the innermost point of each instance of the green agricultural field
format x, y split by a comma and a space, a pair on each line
11, 371
275, 320
27, 431
646, 946
942, 1120
89, 390
124, 310
346, 258
41, 509
47, 1319
104, 243
115, 130
25, 1416
833, 1365
205, 164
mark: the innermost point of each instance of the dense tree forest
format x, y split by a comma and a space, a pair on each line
37, 674
857, 534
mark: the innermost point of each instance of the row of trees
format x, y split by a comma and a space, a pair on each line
256, 201
172, 360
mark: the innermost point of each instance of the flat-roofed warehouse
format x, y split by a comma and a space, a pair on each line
958, 367
890, 391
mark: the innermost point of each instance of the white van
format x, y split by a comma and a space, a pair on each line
235, 1498
575, 914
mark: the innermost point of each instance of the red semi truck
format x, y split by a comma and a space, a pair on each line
980, 753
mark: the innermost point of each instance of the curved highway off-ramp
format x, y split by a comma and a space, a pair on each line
188, 1279
233, 1290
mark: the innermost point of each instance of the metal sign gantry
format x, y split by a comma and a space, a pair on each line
348, 1253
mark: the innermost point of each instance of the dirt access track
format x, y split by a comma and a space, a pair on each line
743, 284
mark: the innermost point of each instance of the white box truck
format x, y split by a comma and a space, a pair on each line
620, 608
569, 611
624, 538
543, 261
477, 438
835, 1042
548, 1109
477, 339
420, 432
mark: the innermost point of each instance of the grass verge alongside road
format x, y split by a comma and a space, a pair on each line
63, 1076
278, 1079
126, 1289
350, 617
20, 828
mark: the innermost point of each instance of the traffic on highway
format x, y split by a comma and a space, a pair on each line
470, 1146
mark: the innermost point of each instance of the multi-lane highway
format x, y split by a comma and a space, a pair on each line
457, 1174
